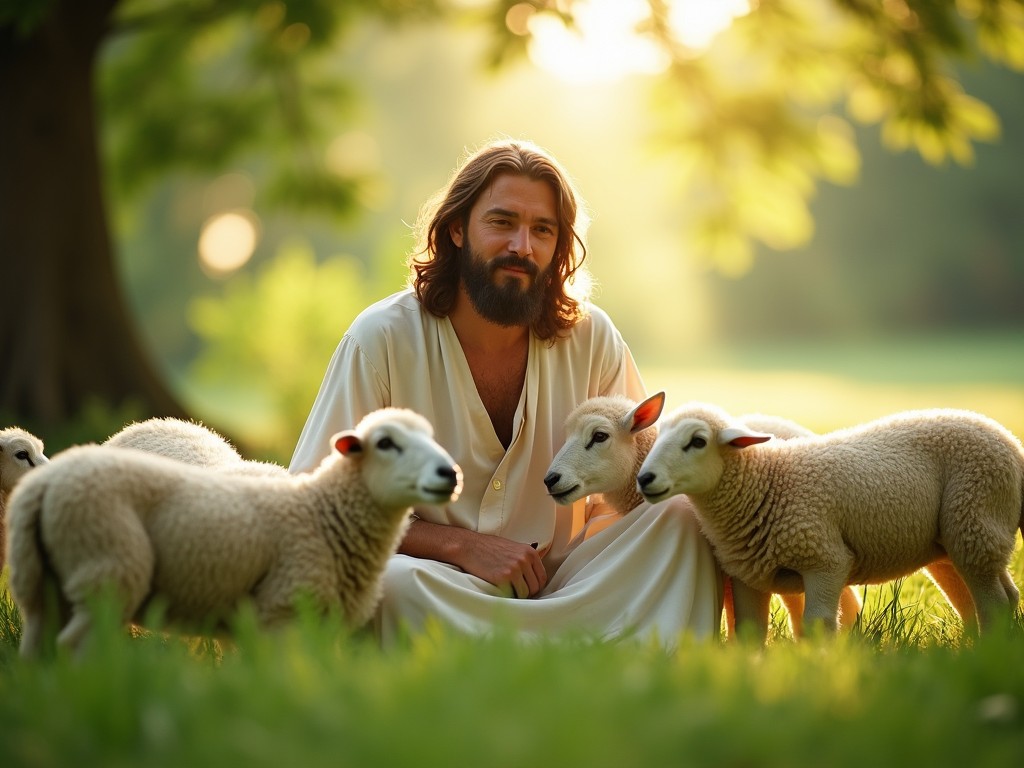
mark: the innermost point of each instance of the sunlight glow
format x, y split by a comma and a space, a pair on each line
227, 241
607, 42
695, 23
603, 46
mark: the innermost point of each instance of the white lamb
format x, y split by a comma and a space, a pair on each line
608, 438
20, 451
198, 541
190, 443
857, 506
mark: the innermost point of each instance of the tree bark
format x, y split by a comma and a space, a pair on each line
66, 335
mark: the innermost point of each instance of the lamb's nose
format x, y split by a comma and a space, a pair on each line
552, 479
644, 480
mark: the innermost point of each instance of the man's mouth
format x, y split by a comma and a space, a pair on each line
515, 265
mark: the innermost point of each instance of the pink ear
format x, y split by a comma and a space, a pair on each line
745, 441
645, 414
741, 437
347, 443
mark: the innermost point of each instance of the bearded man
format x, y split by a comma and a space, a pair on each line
495, 343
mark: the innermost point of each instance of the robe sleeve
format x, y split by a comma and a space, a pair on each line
618, 372
352, 387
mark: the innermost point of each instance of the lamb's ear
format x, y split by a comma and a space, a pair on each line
741, 437
646, 413
347, 443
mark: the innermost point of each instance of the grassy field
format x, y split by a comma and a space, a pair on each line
831, 385
898, 690
904, 687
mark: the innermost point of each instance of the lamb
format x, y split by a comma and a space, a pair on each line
197, 541
20, 451
608, 438
191, 443
862, 505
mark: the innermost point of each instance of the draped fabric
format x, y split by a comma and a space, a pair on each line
650, 572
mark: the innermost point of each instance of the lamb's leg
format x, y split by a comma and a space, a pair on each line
1012, 593
822, 593
794, 602
728, 606
130, 597
849, 609
751, 608
43, 618
989, 593
32, 633
74, 633
33, 621
123, 570
948, 580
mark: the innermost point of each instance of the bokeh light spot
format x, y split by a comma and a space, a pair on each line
227, 241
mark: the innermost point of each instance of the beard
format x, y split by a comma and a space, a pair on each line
503, 301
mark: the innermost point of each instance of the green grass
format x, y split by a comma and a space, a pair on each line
901, 688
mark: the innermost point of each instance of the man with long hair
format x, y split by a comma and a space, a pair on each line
495, 342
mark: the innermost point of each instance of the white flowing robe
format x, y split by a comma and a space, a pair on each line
649, 573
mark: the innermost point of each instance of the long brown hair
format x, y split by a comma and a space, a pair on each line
435, 262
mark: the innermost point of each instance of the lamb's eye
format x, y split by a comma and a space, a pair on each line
597, 437
386, 444
695, 442
21, 455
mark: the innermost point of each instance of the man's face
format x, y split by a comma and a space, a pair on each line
507, 248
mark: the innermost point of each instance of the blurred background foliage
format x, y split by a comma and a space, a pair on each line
834, 172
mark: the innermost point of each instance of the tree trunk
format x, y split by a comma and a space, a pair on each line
66, 335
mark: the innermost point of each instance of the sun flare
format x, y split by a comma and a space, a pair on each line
696, 23
607, 42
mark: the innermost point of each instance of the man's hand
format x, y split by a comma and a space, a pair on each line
505, 563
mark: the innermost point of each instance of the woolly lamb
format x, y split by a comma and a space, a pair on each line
857, 506
198, 541
607, 439
190, 443
20, 451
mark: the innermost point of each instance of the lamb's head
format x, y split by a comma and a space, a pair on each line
20, 451
400, 462
603, 447
690, 452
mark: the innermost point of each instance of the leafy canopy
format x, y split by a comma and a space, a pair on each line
756, 120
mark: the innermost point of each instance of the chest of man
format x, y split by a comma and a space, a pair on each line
499, 381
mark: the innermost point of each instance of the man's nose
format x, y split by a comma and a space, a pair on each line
520, 242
